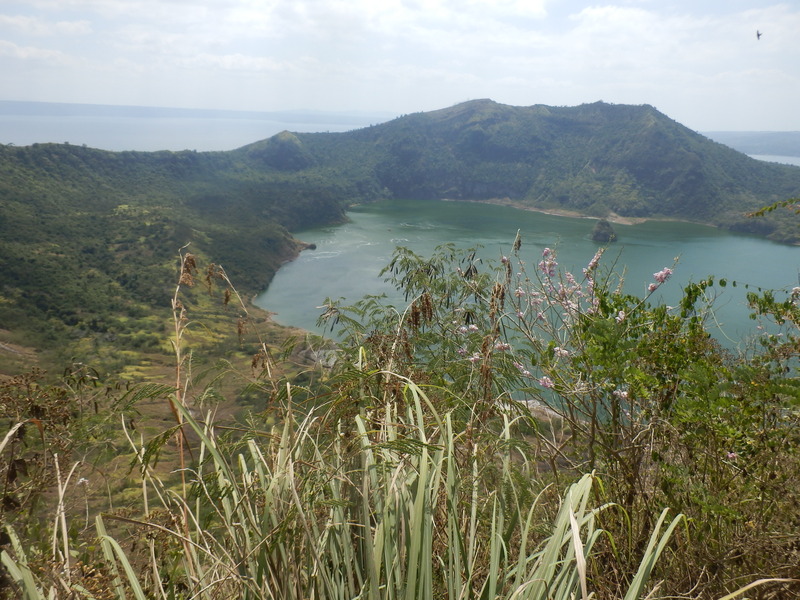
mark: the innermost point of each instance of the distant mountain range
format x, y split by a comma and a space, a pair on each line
88, 237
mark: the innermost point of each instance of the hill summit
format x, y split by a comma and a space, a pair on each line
597, 159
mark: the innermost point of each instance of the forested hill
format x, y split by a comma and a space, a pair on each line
595, 158
88, 238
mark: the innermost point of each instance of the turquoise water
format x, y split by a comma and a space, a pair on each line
349, 257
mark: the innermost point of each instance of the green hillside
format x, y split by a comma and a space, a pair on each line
88, 238
596, 158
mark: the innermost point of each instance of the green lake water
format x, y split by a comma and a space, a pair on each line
349, 257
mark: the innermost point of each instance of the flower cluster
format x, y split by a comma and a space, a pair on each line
662, 275
660, 278
594, 262
567, 292
548, 263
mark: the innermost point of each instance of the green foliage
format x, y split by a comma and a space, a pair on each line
373, 508
595, 159
418, 466
445, 454
50, 426
87, 236
637, 391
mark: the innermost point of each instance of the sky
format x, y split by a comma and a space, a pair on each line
697, 61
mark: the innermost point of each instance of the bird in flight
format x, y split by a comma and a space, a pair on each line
758, 34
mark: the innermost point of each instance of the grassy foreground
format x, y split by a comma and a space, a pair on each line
510, 434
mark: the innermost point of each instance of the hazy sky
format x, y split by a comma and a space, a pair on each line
698, 61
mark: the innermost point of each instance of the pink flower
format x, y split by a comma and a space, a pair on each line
546, 382
558, 351
548, 264
662, 275
595, 260
620, 316
732, 456
548, 267
522, 370
660, 278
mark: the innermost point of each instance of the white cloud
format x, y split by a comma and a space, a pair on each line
39, 27
233, 62
31, 53
408, 55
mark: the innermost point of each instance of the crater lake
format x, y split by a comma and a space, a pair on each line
348, 258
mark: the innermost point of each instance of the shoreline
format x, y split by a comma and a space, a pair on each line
559, 212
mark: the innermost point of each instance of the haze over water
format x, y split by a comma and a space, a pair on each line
349, 257
119, 128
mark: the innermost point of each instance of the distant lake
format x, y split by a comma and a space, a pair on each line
349, 257
121, 128
786, 160
175, 134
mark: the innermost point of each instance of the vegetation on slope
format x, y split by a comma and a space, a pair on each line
439, 456
87, 237
442, 456
597, 159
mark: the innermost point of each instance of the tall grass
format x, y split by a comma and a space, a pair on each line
385, 492
379, 509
